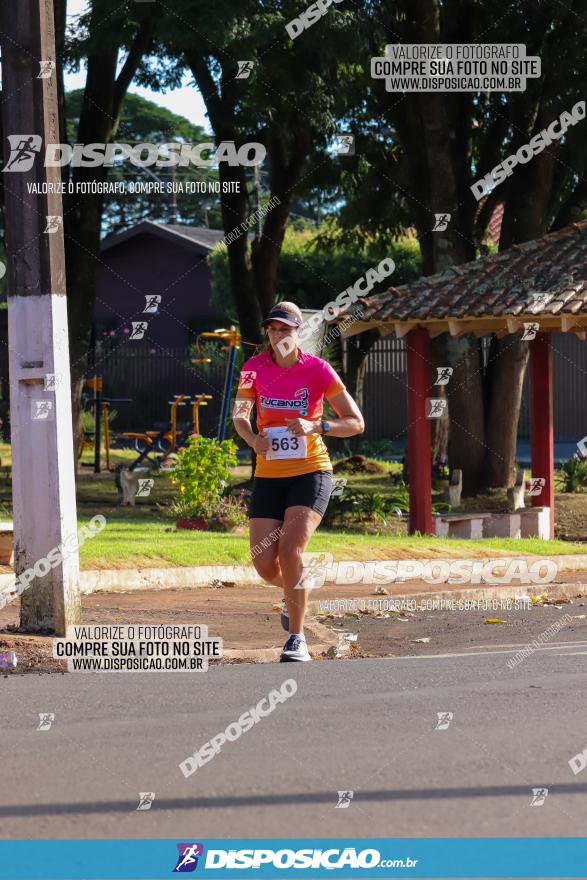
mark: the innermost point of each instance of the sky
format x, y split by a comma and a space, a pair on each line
185, 101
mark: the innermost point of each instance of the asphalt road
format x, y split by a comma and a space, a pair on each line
366, 726
421, 631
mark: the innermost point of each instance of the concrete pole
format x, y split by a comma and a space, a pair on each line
43, 476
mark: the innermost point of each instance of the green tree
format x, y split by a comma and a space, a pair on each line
418, 153
143, 121
290, 103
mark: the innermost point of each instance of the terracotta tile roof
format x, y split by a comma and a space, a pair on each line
497, 286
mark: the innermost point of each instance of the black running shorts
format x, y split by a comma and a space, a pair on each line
273, 495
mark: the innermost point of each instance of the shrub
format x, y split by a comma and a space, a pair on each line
573, 474
202, 473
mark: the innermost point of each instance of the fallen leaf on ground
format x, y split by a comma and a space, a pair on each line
423, 641
494, 620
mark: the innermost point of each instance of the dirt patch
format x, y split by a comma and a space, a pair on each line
34, 654
570, 517
420, 633
359, 464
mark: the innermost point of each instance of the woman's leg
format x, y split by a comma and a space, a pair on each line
299, 525
264, 536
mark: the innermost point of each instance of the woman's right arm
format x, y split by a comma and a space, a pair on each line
241, 417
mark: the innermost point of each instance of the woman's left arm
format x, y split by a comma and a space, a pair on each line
349, 421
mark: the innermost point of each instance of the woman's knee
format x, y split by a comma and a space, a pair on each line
267, 567
290, 553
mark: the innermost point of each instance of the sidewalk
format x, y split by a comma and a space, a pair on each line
246, 617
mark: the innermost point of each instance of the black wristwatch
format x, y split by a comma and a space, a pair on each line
325, 427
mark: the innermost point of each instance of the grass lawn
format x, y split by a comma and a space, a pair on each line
145, 535
151, 542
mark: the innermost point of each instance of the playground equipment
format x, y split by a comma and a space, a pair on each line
233, 338
168, 439
101, 417
197, 402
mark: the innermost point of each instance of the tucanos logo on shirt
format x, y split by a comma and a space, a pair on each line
300, 401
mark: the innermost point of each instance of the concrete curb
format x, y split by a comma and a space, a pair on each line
178, 578
324, 639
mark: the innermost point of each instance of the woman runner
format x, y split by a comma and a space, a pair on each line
293, 477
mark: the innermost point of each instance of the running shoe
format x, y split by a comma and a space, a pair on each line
295, 650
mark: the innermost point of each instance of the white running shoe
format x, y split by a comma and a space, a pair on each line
295, 650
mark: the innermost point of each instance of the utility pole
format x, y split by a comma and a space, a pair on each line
43, 475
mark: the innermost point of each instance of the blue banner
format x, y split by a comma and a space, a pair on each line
294, 857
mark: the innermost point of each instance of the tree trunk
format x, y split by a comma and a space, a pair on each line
508, 358
99, 119
466, 445
357, 349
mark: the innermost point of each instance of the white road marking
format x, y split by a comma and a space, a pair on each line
498, 650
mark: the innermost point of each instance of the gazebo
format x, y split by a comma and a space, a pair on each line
541, 282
